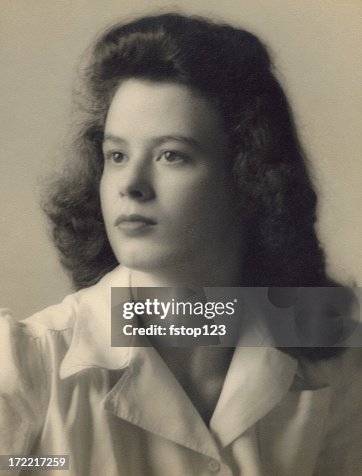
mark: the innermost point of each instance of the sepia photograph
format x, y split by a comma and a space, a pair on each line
181, 238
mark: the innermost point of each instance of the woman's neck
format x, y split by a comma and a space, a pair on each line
201, 373
200, 370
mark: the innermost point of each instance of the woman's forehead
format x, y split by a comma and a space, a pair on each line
155, 110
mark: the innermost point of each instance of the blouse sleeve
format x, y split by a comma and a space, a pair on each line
341, 453
23, 387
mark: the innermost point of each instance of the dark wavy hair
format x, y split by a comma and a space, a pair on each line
231, 68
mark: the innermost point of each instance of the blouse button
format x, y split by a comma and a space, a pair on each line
213, 465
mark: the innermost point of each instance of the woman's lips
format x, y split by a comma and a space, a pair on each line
134, 223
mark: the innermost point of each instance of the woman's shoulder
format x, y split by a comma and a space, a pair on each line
342, 373
26, 344
30, 352
343, 429
26, 338
51, 329
57, 318
342, 377
61, 317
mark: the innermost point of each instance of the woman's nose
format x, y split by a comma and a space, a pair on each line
137, 183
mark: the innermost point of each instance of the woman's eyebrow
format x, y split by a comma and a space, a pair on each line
156, 141
190, 141
114, 139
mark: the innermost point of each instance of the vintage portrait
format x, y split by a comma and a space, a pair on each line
181, 238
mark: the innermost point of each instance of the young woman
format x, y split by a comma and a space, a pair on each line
187, 172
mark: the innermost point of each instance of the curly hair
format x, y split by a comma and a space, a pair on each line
231, 68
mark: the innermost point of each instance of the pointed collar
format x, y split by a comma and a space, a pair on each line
147, 394
257, 380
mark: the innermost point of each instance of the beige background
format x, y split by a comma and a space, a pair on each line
317, 46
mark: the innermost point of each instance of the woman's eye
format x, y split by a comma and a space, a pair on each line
115, 157
171, 157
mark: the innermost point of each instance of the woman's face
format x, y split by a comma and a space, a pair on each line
166, 191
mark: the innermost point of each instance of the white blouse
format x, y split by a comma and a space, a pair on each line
120, 411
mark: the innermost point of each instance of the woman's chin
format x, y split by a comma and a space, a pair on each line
152, 261
143, 261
